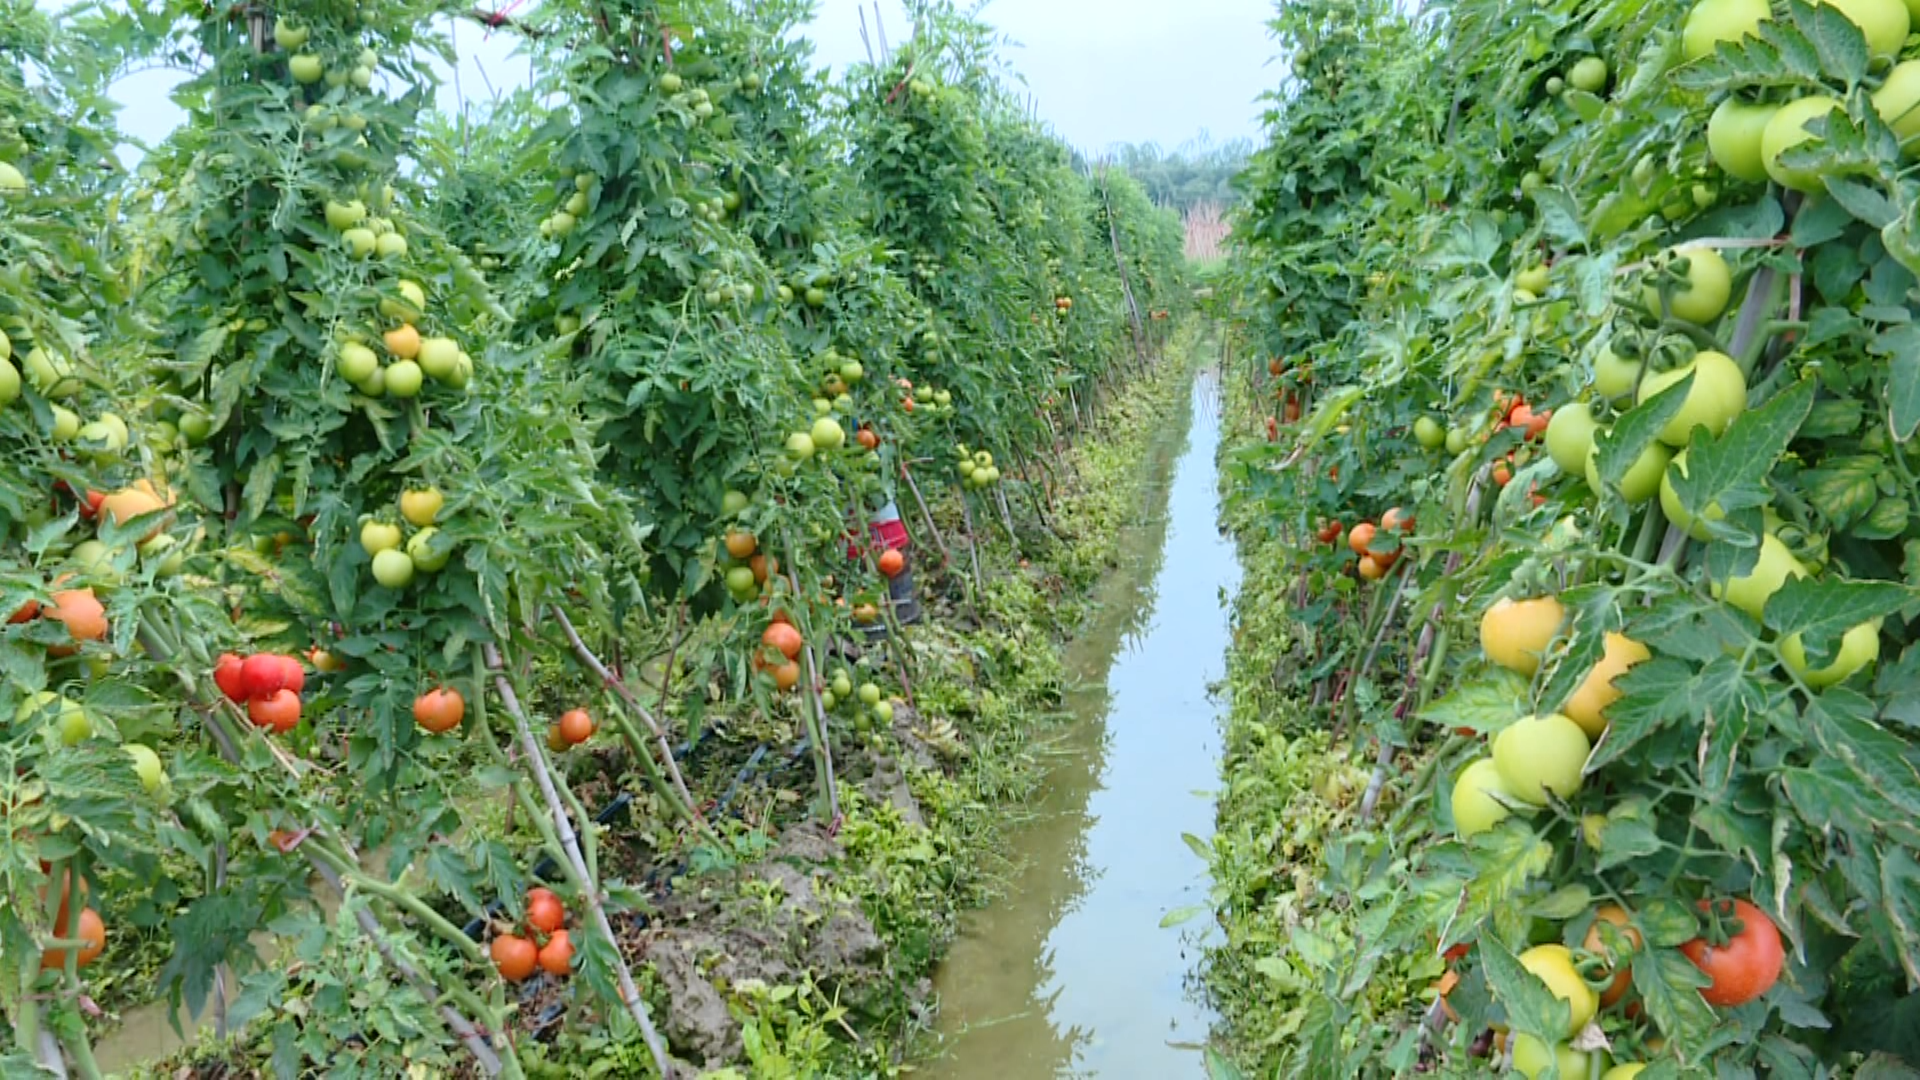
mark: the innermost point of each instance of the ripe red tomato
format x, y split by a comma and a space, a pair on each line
514, 957
892, 563
1329, 532
545, 912
261, 675
575, 726
292, 676
226, 675
556, 956
782, 636
1748, 964
439, 710
1397, 520
278, 712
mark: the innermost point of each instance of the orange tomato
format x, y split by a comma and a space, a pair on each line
575, 726
892, 563
1361, 538
741, 545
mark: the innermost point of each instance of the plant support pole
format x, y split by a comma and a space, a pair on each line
629, 990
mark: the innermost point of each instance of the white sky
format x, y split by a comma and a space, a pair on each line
1100, 71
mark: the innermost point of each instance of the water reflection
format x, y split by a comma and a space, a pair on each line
1070, 975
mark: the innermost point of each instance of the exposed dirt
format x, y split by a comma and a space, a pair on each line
778, 921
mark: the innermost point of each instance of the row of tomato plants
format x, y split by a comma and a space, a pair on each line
1586, 328
345, 444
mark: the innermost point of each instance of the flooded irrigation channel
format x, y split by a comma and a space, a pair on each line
1071, 973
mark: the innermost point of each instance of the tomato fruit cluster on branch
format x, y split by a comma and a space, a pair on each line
1633, 338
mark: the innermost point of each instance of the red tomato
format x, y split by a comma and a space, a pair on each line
226, 675
261, 675
278, 712
556, 956
1748, 964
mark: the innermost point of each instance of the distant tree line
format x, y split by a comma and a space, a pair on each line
1196, 174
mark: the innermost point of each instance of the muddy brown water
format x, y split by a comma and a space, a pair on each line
1071, 974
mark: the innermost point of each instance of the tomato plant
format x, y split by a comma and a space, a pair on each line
1651, 287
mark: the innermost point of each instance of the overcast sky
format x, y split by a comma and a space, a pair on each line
1100, 71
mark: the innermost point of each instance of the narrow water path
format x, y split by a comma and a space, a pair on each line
1071, 973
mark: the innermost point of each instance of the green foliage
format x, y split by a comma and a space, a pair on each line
1439, 229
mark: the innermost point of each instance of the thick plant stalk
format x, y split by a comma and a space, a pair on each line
570, 843
926, 515
822, 749
477, 1044
973, 543
619, 687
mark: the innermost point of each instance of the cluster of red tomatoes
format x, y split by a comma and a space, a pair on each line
546, 945
268, 684
1378, 546
1533, 427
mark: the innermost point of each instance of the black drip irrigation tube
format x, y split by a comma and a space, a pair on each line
656, 880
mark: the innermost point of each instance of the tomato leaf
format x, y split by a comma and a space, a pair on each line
1900, 887
1731, 471
1862, 202
1842, 726
1838, 43
1669, 985
1531, 1007
1653, 695
1623, 840
1903, 378
1822, 609
1635, 431
1484, 705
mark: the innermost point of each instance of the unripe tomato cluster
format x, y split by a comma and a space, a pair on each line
1378, 546
427, 551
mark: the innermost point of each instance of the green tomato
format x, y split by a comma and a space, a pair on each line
1625, 1071
1788, 129
734, 503
1734, 132
1456, 440
393, 569
196, 427
1533, 279
883, 712
1570, 437
357, 364
828, 434
1708, 287
1771, 570
1475, 808
1898, 100
816, 297
342, 216
1642, 481
1590, 74
50, 375
390, 245
1859, 647
1614, 376
1429, 433
288, 36
306, 69
741, 583
404, 379
1530, 1058
1713, 21
1718, 394
799, 446
852, 372
1541, 754
378, 536
428, 552
360, 241
842, 686
869, 694
439, 358
147, 766
66, 423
